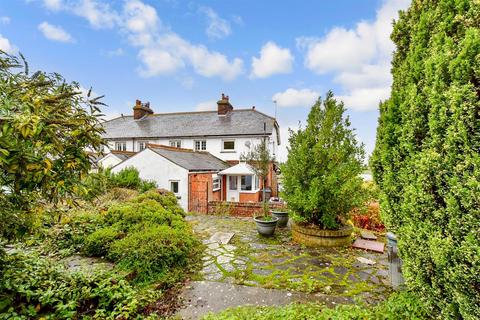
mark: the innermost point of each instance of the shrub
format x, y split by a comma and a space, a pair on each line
32, 287
101, 182
98, 242
368, 218
426, 160
321, 176
130, 178
144, 210
69, 235
154, 252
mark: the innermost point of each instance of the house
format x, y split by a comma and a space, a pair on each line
113, 158
191, 175
224, 134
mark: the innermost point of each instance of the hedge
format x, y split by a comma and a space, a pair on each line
427, 155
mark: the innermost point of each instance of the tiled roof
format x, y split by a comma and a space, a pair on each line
123, 155
190, 124
189, 159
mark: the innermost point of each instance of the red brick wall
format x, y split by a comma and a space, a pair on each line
243, 209
249, 197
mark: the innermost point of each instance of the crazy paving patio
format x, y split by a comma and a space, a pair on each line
277, 271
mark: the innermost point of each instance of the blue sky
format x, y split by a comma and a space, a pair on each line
181, 55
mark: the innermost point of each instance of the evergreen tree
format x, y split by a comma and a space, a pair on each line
321, 176
427, 155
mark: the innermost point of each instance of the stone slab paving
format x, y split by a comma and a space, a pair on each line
368, 235
222, 237
369, 245
202, 297
277, 263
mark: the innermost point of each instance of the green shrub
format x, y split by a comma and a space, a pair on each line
101, 182
321, 176
130, 178
130, 216
154, 252
167, 199
427, 160
69, 235
32, 287
98, 242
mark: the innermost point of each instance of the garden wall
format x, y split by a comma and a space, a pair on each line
242, 209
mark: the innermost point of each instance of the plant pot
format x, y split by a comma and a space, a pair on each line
313, 236
266, 228
282, 218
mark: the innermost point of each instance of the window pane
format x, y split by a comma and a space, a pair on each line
216, 183
174, 186
232, 182
228, 145
246, 183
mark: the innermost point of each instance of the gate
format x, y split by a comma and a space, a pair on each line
198, 196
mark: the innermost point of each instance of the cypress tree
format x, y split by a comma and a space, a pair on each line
427, 155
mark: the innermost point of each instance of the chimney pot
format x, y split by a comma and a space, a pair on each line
141, 109
223, 105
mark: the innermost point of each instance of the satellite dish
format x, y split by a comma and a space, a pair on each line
247, 144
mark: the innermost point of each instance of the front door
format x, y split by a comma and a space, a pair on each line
232, 188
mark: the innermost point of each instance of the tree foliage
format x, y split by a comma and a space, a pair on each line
427, 155
46, 128
260, 159
321, 175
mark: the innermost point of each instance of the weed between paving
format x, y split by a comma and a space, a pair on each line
276, 262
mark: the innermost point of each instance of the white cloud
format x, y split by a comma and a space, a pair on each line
171, 52
296, 98
365, 99
273, 60
217, 28
206, 106
98, 14
358, 58
4, 20
53, 4
160, 50
7, 46
54, 33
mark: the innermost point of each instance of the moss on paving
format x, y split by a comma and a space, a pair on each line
277, 262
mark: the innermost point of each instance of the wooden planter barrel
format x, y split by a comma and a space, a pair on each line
313, 236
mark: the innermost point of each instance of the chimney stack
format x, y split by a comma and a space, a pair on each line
141, 109
224, 106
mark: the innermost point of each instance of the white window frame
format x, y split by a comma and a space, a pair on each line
175, 143
251, 185
140, 145
223, 145
120, 145
178, 186
216, 183
202, 145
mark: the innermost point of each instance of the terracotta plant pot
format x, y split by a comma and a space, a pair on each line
282, 218
266, 228
313, 236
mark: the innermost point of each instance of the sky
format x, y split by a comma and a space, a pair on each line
278, 56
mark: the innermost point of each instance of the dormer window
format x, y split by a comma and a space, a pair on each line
175, 143
121, 146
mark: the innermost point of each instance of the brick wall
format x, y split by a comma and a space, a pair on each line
242, 209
